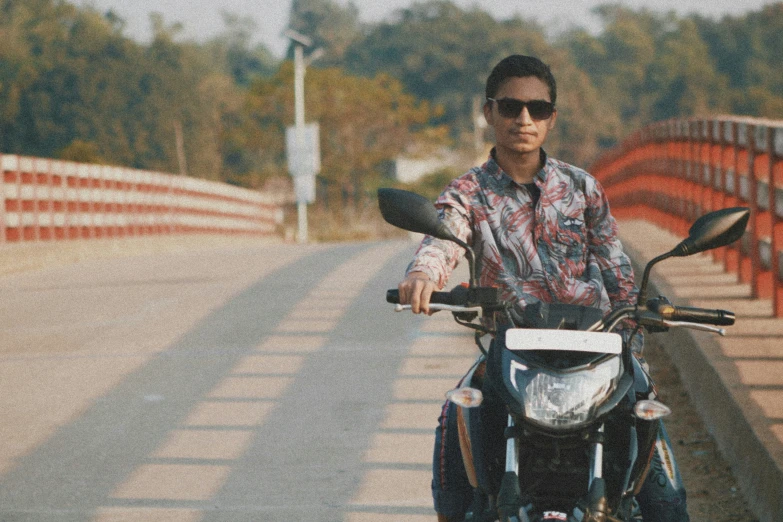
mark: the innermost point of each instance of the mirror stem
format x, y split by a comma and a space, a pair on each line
472, 266
641, 300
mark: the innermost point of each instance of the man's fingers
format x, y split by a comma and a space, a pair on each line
426, 294
416, 297
416, 291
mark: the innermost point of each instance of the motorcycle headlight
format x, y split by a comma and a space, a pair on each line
566, 400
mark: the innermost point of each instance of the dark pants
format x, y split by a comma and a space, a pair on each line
662, 498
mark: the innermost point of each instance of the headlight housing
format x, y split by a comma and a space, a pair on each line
566, 399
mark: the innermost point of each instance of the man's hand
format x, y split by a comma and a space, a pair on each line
416, 290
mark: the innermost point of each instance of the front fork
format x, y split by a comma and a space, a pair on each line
510, 497
597, 504
510, 508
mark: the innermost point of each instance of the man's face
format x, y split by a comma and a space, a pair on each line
520, 134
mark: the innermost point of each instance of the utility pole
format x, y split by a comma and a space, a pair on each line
180, 141
305, 168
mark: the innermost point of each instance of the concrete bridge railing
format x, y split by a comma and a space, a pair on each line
45, 200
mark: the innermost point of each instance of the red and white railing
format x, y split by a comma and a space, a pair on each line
674, 171
53, 200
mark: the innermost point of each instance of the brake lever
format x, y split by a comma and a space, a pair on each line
442, 307
697, 326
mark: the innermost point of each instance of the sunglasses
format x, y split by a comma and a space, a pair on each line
512, 108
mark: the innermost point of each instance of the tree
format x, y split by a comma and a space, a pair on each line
683, 77
236, 55
746, 51
332, 28
443, 54
364, 122
618, 62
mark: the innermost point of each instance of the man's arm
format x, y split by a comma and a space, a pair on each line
436, 258
606, 249
614, 263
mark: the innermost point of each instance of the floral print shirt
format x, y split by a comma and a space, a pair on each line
564, 249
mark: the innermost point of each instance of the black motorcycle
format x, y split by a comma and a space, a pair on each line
568, 417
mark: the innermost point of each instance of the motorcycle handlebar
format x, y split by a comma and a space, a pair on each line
669, 312
700, 315
447, 298
664, 309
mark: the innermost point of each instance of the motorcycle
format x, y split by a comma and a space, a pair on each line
558, 419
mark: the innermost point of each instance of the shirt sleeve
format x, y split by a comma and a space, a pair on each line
614, 263
606, 249
437, 257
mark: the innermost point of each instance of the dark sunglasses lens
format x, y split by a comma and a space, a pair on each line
540, 110
510, 108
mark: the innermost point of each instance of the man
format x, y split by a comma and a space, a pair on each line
542, 231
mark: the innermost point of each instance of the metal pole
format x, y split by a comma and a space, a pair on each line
299, 122
299, 72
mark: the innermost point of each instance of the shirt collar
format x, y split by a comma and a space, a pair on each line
493, 169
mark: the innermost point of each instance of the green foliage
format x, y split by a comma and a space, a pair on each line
73, 86
333, 28
432, 185
68, 77
443, 53
81, 152
747, 52
243, 61
364, 122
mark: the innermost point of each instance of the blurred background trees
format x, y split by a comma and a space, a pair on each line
72, 85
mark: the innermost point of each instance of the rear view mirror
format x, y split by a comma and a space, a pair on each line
713, 230
412, 212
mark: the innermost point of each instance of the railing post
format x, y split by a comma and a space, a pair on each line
753, 238
718, 176
705, 175
694, 171
3, 206
734, 252
775, 152
682, 143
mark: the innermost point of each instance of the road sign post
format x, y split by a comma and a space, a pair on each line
304, 162
302, 146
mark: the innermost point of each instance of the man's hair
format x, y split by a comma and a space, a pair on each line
519, 66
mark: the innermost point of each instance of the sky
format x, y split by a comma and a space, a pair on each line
202, 18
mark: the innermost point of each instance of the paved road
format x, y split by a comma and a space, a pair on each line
262, 383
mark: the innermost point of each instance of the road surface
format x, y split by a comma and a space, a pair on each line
265, 382
261, 383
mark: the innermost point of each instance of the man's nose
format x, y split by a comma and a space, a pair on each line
524, 116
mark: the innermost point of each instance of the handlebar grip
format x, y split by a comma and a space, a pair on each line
448, 298
700, 315
393, 296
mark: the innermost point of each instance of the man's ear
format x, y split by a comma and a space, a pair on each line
488, 114
552, 120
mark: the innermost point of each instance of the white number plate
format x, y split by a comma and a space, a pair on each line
573, 340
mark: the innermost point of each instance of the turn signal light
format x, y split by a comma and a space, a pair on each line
465, 397
651, 410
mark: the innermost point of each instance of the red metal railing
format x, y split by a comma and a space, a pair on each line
44, 200
674, 171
